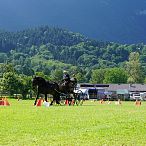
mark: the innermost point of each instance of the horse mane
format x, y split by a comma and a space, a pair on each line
41, 79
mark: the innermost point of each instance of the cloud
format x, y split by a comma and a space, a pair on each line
143, 12
105, 2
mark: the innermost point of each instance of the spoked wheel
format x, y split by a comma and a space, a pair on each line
79, 97
66, 99
63, 98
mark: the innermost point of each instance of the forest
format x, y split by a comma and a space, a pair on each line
47, 51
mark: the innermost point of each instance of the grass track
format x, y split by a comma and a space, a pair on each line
92, 124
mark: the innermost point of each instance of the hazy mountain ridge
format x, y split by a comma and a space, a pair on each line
41, 36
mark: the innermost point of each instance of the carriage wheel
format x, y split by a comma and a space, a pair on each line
79, 97
63, 99
70, 99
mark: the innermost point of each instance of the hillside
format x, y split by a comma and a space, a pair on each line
119, 21
48, 51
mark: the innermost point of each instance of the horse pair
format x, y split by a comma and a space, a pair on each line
45, 87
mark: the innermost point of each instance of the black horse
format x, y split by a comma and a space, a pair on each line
53, 88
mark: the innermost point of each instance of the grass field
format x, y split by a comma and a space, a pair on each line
22, 124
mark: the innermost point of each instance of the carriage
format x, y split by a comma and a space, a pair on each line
61, 93
76, 98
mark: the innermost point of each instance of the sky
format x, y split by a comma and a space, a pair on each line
101, 19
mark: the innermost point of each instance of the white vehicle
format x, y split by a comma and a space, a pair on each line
135, 96
143, 96
138, 96
87, 93
83, 93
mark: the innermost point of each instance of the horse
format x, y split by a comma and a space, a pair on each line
45, 87
55, 89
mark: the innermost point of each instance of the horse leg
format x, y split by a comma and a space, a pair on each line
46, 98
52, 102
58, 102
57, 98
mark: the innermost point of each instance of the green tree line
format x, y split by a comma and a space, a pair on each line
14, 83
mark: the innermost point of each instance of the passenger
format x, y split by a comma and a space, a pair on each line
74, 80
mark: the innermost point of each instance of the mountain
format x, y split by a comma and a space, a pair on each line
122, 21
46, 50
48, 43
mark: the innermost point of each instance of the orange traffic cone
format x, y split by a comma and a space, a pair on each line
39, 102
1, 102
6, 103
138, 103
101, 101
73, 102
66, 102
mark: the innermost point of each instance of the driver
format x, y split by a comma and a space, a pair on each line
66, 77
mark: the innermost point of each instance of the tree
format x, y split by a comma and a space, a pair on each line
57, 75
134, 69
10, 82
24, 85
3, 57
27, 70
97, 76
80, 77
7, 68
40, 74
115, 75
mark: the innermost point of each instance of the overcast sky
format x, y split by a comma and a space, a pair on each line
94, 18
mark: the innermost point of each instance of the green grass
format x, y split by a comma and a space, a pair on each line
92, 124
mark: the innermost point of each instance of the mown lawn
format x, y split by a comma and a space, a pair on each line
92, 124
